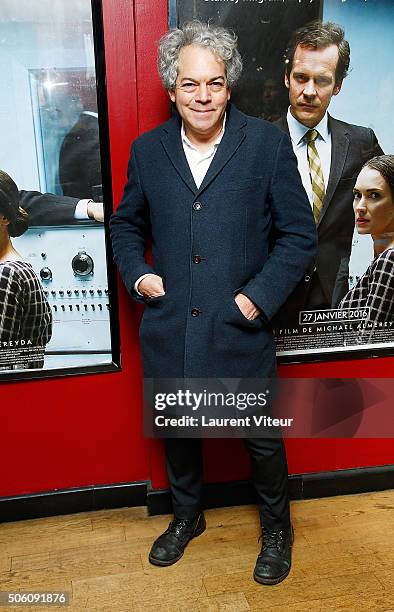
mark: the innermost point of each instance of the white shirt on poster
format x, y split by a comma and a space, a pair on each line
323, 145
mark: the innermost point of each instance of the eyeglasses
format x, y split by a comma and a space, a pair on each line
190, 87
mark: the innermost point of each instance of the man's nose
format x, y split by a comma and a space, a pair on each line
309, 88
203, 94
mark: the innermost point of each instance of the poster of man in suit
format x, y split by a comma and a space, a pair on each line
326, 65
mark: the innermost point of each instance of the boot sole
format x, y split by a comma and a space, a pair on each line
161, 563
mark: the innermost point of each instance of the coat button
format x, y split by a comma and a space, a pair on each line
195, 312
197, 205
307, 278
197, 259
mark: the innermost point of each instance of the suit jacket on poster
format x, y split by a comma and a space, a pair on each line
352, 146
79, 159
212, 242
47, 208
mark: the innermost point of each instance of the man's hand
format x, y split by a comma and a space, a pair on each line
151, 286
96, 211
247, 307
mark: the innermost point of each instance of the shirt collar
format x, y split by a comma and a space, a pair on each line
91, 113
298, 130
214, 144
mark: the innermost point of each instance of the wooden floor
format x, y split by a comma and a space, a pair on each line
343, 560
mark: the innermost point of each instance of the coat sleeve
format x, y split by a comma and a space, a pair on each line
295, 234
130, 227
48, 209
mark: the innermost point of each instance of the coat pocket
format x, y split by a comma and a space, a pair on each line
153, 301
236, 317
236, 337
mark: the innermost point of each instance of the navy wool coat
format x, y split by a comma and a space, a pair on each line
249, 227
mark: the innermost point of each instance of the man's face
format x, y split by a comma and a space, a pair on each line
311, 83
270, 94
201, 92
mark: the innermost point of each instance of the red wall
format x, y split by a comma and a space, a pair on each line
85, 430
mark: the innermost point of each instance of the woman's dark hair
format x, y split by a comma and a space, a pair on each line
9, 206
384, 164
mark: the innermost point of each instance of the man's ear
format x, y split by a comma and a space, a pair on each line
337, 88
229, 92
287, 81
171, 93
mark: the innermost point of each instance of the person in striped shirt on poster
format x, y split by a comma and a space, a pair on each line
25, 315
374, 214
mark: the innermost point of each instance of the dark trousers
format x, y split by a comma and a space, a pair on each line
269, 475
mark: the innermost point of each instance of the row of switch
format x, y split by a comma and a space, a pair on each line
79, 307
76, 293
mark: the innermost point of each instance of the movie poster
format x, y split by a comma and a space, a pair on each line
57, 314
343, 307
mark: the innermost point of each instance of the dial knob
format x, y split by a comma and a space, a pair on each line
82, 264
46, 274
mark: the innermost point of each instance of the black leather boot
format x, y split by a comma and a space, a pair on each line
170, 545
274, 561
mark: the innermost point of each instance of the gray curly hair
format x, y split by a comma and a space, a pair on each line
219, 40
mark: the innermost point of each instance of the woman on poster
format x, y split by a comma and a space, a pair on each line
374, 214
25, 315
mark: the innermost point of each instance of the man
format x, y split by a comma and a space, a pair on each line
208, 186
273, 103
79, 157
330, 153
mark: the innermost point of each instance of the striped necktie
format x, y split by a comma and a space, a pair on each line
315, 173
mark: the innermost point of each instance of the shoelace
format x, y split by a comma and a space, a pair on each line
272, 539
177, 525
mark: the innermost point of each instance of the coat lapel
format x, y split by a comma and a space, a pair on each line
339, 149
233, 136
172, 144
282, 124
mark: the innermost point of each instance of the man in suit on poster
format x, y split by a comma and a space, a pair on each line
207, 187
79, 157
330, 154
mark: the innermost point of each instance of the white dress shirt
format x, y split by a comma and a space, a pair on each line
199, 162
323, 145
81, 209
